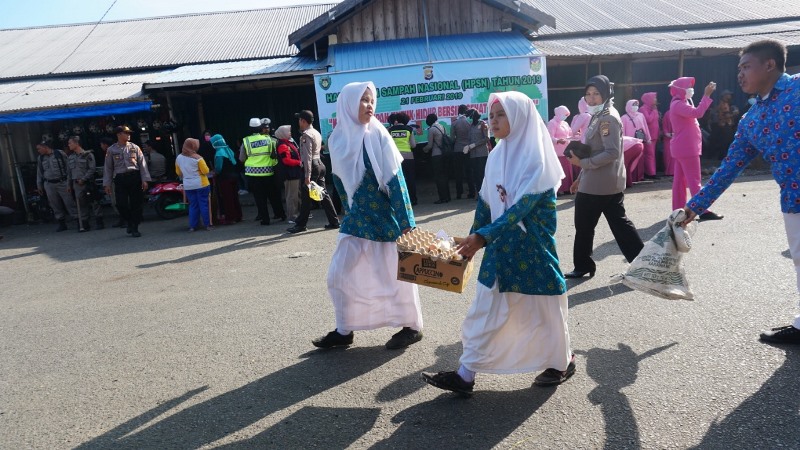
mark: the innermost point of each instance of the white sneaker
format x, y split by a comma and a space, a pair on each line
290, 221
243, 192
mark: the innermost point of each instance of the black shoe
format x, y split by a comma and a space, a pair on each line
62, 226
552, 377
296, 229
129, 229
84, 229
332, 226
708, 215
578, 274
334, 339
449, 381
265, 222
119, 224
258, 217
135, 231
439, 202
100, 224
782, 335
404, 338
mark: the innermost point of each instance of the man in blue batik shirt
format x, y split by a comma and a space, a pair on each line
771, 128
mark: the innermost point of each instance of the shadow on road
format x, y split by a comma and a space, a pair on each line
213, 419
768, 418
447, 357
450, 421
244, 244
613, 370
598, 293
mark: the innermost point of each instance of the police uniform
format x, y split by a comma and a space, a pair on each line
259, 168
314, 170
53, 178
82, 171
403, 137
126, 167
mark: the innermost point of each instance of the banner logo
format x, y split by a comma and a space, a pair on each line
325, 82
427, 72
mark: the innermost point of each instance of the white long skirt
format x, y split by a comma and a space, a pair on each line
515, 333
362, 282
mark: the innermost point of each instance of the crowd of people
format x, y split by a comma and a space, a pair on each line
518, 319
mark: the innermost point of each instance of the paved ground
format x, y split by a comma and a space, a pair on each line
202, 340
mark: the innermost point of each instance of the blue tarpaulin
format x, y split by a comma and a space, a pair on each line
48, 115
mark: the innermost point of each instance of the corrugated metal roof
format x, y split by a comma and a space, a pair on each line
51, 93
150, 43
344, 57
666, 41
236, 71
581, 16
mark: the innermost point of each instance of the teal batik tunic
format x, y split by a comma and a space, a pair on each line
374, 214
521, 262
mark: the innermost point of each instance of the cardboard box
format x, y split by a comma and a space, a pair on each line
445, 275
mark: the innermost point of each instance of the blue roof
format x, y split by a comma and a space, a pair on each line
460, 47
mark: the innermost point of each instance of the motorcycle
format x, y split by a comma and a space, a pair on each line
163, 194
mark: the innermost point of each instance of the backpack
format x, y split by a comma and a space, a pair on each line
447, 141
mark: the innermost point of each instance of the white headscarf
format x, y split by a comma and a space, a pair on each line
350, 137
522, 163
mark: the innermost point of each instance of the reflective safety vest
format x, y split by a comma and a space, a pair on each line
262, 156
402, 139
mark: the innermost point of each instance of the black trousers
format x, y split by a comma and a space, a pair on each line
588, 209
410, 174
318, 173
266, 189
440, 175
130, 197
461, 166
478, 167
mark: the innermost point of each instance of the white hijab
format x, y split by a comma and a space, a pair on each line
522, 163
350, 137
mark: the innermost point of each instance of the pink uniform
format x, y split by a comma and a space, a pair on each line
560, 130
666, 133
632, 122
650, 112
687, 142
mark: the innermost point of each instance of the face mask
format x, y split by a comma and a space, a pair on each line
634, 108
560, 117
689, 93
751, 101
595, 109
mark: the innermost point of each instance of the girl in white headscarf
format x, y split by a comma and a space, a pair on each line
362, 278
518, 320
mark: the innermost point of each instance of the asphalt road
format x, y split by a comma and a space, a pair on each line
203, 340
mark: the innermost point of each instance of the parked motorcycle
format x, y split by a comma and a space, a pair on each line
163, 194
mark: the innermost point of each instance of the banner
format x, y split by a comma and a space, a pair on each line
436, 88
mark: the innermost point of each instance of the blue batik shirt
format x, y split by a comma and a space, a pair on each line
771, 128
374, 214
520, 261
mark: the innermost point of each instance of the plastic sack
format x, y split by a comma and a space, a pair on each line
316, 192
658, 270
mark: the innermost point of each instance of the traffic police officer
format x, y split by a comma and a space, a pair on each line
126, 166
403, 136
260, 156
82, 171
53, 179
314, 169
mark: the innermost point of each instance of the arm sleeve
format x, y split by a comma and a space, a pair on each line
108, 169
91, 167
429, 145
627, 126
202, 167
510, 218
342, 193
740, 153
143, 170
483, 137
411, 141
684, 109
645, 128
219, 161
483, 216
612, 148
401, 205
39, 180
242, 154
305, 155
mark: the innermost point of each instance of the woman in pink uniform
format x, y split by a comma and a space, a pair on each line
561, 133
581, 121
687, 142
635, 136
649, 110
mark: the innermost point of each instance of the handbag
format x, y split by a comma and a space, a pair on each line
639, 134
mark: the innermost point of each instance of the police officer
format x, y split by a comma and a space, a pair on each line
403, 136
314, 170
126, 167
82, 171
260, 156
53, 179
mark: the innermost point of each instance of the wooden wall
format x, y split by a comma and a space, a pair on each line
401, 19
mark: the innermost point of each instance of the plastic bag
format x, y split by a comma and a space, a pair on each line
658, 270
316, 192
